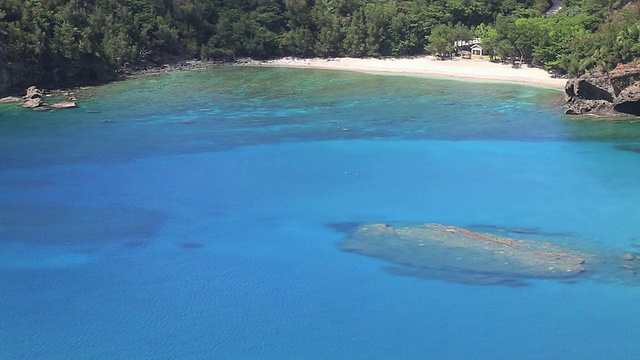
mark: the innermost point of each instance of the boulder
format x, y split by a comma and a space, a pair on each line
33, 103
32, 93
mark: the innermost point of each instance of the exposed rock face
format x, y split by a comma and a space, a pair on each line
628, 100
613, 94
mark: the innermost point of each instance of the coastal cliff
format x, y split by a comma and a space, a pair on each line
15, 77
611, 94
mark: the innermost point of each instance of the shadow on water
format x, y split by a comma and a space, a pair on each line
57, 225
343, 227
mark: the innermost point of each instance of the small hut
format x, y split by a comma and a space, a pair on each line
476, 50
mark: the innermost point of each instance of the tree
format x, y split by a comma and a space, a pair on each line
443, 38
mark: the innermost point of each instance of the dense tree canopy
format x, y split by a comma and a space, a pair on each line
588, 34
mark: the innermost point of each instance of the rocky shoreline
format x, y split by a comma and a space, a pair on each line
614, 94
185, 65
607, 95
36, 98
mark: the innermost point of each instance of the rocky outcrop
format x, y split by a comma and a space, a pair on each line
611, 95
34, 100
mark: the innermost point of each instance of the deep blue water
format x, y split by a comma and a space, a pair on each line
189, 216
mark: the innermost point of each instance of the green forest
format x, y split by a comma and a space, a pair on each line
587, 35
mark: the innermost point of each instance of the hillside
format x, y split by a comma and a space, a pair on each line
58, 43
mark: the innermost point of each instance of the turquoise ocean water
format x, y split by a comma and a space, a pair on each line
195, 215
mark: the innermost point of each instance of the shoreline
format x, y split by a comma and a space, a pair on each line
470, 69
427, 66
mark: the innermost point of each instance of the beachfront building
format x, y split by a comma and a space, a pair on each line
476, 50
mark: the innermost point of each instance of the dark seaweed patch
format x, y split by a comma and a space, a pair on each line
136, 244
68, 225
191, 245
630, 148
460, 277
27, 183
343, 227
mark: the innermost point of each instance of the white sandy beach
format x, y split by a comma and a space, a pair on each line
477, 69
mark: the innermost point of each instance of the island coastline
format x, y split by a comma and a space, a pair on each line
428, 66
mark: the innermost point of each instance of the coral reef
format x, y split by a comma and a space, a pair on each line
456, 254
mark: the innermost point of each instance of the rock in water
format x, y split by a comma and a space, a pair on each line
32, 103
33, 99
459, 255
64, 105
9, 100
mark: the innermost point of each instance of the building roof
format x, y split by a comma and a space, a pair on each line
468, 43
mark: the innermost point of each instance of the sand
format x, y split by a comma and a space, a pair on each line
476, 69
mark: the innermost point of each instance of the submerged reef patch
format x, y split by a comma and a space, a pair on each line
455, 254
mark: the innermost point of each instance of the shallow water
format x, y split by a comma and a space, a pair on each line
188, 215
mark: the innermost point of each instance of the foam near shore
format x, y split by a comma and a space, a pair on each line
477, 69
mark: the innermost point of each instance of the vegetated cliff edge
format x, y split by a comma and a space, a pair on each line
611, 94
15, 77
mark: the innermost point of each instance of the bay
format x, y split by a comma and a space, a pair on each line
196, 214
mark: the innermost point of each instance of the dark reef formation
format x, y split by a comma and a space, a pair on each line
609, 95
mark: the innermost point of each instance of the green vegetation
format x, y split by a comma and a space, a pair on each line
588, 34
